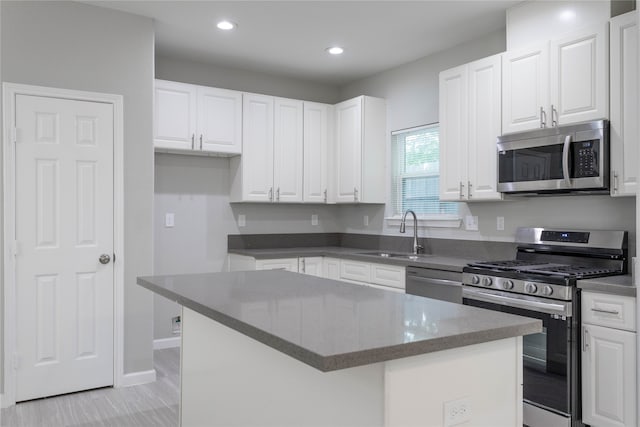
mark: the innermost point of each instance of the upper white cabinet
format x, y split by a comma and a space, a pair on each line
317, 129
470, 117
624, 105
197, 119
270, 168
558, 82
608, 360
360, 150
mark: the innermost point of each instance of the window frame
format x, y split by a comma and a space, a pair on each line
440, 220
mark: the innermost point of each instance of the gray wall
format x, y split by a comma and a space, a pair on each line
411, 92
84, 47
196, 189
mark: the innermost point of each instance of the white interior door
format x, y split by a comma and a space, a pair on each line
64, 223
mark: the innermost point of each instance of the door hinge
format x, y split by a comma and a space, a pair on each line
114, 258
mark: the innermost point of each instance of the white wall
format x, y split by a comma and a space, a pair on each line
411, 92
84, 47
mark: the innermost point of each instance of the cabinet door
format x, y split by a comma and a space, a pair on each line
287, 156
355, 270
348, 150
311, 266
289, 264
331, 268
580, 76
257, 156
624, 105
453, 134
485, 120
219, 127
608, 377
174, 111
316, 149
525, 89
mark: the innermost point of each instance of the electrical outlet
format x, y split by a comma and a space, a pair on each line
471, 223
242, 220
457, 411
500, 223
175, 325
365, 220
169, 220
314, 219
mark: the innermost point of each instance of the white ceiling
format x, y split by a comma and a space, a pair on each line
289, 37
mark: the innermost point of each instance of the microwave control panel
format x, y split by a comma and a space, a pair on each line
585, 159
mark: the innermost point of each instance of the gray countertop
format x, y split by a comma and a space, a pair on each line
367, 255
333, 325
616, 285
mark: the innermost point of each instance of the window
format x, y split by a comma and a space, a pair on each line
416, 173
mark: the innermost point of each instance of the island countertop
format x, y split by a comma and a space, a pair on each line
333, 325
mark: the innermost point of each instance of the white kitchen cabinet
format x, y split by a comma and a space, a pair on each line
355, 271
197, 119
624, 104
270, 168
388, 276
608, 360
317, 131
311, 265
331, 268
360, 150
557, 82
289, 264
470, 122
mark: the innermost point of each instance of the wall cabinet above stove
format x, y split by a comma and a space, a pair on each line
196, 119
557, 82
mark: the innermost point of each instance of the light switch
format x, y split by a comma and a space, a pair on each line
169, 220
500, 223
242, 220
471, 223
365, 220
314, 219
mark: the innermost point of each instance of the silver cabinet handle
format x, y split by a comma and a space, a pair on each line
193, 140
104, 259
304, 265
271, 194
599, 310
565, 160
200, 142
585, 338
325, 195
615, 181
355, 194
461, 190
543, 118
469, 188
554, 116
278, 194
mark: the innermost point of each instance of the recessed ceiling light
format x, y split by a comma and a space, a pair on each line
226, 25
335, 50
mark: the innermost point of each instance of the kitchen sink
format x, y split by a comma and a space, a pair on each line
401, 255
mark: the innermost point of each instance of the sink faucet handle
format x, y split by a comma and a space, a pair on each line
419, 249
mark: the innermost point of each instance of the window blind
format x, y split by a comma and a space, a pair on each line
416, 172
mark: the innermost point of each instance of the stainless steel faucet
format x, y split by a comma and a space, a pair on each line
416, 247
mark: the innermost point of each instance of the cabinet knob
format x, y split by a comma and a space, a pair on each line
271, 194
355, 194
278, 194
325, 195
543, 118
554, 116
193, 141
200, 142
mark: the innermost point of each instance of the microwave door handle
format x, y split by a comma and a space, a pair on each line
565, 161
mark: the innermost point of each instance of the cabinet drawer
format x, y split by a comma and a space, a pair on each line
387, 275
613, 311
354, 270
289, 264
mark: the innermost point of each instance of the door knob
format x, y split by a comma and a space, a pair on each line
104, 259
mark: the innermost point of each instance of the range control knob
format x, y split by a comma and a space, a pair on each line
547, 290
475, 279
486, 281
530, 288
507, 284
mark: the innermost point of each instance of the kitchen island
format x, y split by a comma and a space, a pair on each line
285, 349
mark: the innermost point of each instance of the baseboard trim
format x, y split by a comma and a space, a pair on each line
137, 378
162, 343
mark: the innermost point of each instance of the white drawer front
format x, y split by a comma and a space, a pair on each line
613, 311
289, 264
387, 275
354, 270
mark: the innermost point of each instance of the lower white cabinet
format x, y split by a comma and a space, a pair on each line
311, 265
608, 363
289, 264
331, 268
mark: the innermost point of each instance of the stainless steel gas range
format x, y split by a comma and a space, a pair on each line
541, 282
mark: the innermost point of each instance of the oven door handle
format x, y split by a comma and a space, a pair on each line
565, 160
562, 309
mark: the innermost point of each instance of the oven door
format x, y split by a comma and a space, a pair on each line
548, 357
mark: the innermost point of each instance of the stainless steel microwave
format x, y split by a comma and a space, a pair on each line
564, 159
